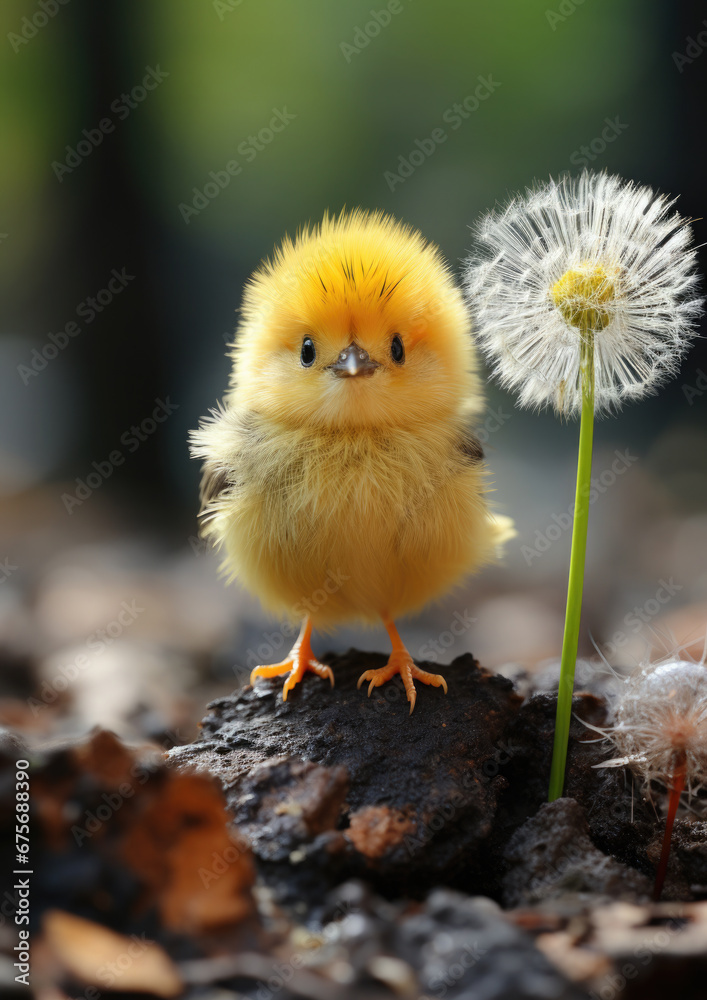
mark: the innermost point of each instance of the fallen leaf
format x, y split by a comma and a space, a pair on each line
182, 849
100, 957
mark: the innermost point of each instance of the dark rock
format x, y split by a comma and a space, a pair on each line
331, 785
284, 804
620, 822
552, 855
623, 824
605, 795
690, 850
407, 800
466, 945
687, 865
451, 946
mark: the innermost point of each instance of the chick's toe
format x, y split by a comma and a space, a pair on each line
401, 662
300, 660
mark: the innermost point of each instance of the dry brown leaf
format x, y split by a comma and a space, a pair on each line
101, 762
182, 849
577, 963
100, 957
169, 827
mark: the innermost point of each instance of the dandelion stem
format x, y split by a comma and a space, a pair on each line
673, 802
570, 641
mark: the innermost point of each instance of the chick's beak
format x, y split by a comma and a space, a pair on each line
353, 360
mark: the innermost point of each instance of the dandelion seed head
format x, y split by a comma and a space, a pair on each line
659, 719
595, 253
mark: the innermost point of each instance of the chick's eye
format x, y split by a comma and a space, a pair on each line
397, 351
308, 352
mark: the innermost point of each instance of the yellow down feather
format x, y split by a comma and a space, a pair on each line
349, 498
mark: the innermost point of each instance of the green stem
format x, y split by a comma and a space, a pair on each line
570, 641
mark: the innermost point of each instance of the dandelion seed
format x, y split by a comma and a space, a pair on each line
659, 728
660, 713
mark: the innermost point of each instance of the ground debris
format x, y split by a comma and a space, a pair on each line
357, 818
450, 945
134, 867
628, 951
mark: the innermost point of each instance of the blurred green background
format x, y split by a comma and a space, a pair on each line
115, 116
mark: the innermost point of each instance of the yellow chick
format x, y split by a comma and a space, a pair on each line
342, 478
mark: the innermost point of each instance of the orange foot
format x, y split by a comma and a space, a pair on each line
400, 662
300, 660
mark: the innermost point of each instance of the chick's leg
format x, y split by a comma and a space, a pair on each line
400, 662
300, 660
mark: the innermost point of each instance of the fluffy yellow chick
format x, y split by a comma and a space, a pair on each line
342, 478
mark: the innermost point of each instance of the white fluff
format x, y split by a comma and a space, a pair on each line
527, 246
660, 714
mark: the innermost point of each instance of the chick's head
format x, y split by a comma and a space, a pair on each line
356, 322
